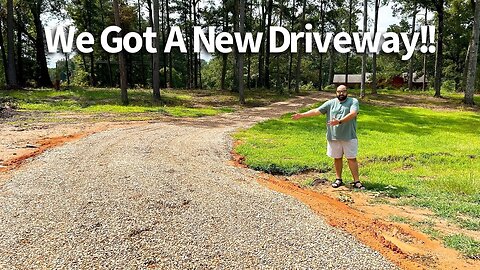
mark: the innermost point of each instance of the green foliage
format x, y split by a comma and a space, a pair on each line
80, 78
212, 72
308, 87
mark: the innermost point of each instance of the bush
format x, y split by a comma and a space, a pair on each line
448, 86
80, 78
329, 87
309, 87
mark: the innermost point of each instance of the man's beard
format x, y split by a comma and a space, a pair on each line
342, 97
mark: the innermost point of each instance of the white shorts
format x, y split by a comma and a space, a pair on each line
336, 149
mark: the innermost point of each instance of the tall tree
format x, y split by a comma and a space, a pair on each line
2, 50
121, 57
267, 54
104, 25
364, 56
374, 58
240, 56
20, 75
290, 56
473, 57
322, 31
410, 64
156, 56
350, 14
170, 57
424, 83
261, 53
300, 52
440, 8
140, 28
12, 75
43, 77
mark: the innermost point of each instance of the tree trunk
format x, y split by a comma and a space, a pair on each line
261, 60
322, 25
439, 51
150, 23
463, 84
350, 33
300, 51
43, 78
68, 69
374, 60
140, 30
20, 77
364, 56
331, 65
164, 55
4, 54
93, 80
200, 71
290, 59
170, 59
267, 56
224, 55
279, 84
235, 51
109, 64
240, 59
249, 69
195, 58
121, 57
410, 64
156, 56
424, 83
472, 65
12, 74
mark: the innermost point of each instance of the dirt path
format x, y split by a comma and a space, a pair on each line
164, 195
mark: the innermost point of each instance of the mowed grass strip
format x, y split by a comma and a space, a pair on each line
174, 102
107, 100
426, 158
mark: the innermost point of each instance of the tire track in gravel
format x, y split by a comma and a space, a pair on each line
163, 196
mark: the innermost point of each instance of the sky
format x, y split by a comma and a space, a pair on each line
386, 19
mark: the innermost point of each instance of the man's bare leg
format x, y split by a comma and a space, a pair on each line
353, 165
338, 167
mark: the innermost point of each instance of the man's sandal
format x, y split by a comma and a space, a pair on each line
337, 183
358, 185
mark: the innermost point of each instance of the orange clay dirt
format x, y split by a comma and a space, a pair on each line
20, 143
400, 243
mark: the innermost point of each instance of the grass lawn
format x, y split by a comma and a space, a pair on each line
426, 158
179, 103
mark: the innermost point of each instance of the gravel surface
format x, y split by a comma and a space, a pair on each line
162, 196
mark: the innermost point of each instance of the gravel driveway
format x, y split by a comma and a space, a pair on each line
164, 196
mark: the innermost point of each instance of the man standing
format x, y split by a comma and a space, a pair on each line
342, 140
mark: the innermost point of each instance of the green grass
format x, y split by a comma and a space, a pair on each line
426, 158
466, 245
174, 102
452, 98
400, 219
107, 100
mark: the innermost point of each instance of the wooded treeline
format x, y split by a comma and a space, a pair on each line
24, 61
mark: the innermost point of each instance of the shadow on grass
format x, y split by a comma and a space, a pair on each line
387, 190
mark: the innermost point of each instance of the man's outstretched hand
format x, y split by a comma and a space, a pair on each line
296, 116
